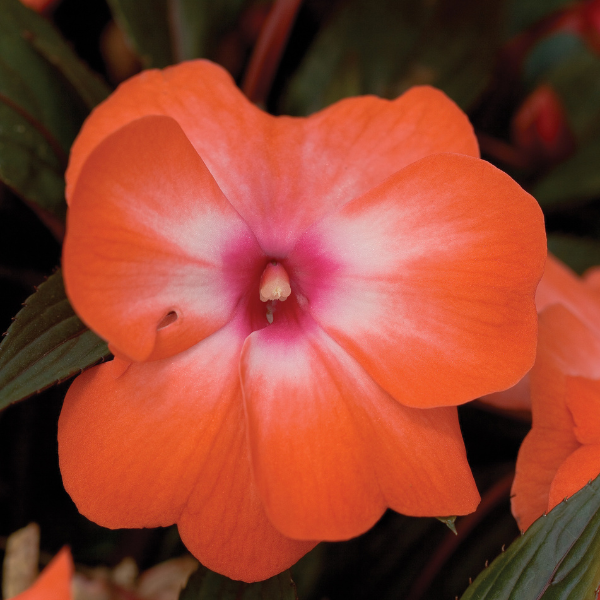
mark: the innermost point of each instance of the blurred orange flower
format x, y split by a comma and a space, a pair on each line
296, 306
54, 583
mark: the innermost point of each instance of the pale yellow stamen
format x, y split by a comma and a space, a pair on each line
274, 283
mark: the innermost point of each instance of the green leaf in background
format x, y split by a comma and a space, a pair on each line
575, 181
565, 63
45, 94
47, 343
576, 78
577, 252
146, 25
384, 47
201, 23
549, 52
164, 32
558, 558
521, 14
207, 585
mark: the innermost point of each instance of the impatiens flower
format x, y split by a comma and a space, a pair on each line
54, 583
296, 307
561, 453
559, 285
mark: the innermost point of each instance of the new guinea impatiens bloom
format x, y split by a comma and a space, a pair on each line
296, 307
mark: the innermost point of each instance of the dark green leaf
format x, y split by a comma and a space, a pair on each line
167, 31
199, 24
558, 558
577, 180
207, 585
579, 253
45, 94
386, 46
521, 14
47, 343
146, 24
576, 78
91, 89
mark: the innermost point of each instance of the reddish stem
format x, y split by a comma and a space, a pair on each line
501, 151
498, 493
269, 49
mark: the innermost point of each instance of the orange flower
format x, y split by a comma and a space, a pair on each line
561, 453
397, 272
54, 583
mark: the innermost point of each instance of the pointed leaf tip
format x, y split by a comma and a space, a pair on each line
449, 522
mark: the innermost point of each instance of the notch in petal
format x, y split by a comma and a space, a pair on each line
151, 236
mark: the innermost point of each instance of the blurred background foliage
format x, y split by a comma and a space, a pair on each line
527, 72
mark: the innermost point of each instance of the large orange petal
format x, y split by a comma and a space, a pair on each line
560, 285
147, 445
133, 439
150, 234
583, 400
429, 280
418, 454
320, 163
330, 449
224, 522
575, 472
283, 173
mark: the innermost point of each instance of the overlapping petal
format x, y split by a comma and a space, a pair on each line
224, 522
331, 450
583, 401
565, 347
146, 445
560, 285
429, 287
151, 235
540, 456
299, 168
133, 438
581, 467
